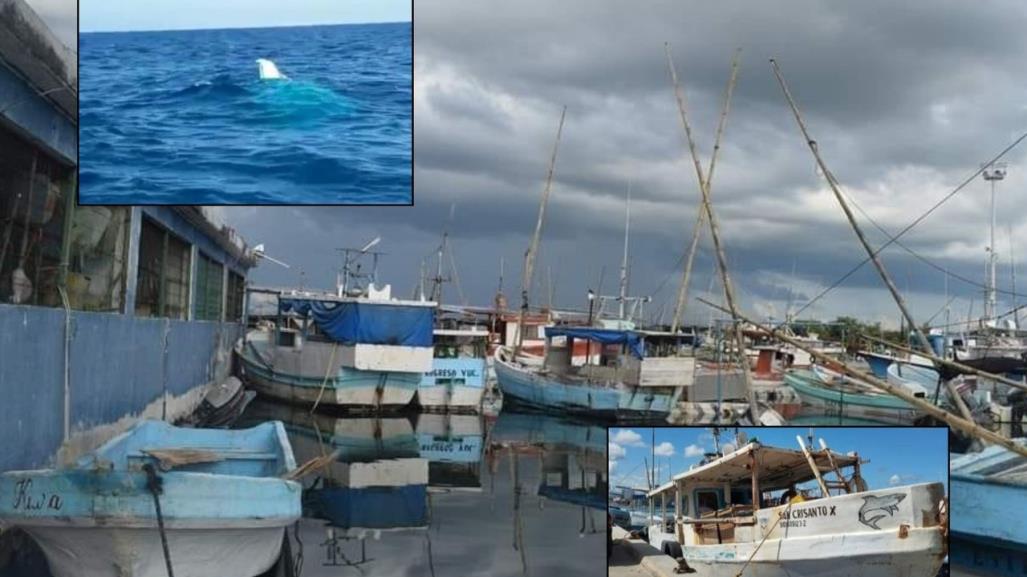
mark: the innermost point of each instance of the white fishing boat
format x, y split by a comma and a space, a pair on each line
727, 521
361, 351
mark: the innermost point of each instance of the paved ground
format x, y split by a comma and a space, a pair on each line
623, 563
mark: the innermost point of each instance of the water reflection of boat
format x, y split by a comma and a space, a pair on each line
356, 438
453, 446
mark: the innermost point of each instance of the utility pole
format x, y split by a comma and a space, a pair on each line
992, 173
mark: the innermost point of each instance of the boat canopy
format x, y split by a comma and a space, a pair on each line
375, 323
778, 468
605, 336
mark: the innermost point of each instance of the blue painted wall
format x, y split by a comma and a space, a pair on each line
118, 366
36, 118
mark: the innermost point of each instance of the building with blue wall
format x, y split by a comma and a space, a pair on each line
107, 313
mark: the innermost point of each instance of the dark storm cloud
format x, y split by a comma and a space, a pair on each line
904, 99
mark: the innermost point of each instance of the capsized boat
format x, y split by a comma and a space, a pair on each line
638, 375
728, 521
361, 353
224, 504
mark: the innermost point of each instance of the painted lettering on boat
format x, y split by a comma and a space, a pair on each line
466, 373
809, 512
23, 498
452, 447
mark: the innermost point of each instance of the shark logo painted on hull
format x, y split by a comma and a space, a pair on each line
876, 508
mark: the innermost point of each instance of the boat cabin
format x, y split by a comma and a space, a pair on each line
633, 357
717, 502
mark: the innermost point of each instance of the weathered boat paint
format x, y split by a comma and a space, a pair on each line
98, 519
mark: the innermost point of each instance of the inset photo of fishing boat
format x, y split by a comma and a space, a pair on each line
830, 501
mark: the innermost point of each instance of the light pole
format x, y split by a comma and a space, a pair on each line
992, 173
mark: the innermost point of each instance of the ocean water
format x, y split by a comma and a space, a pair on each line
182, 117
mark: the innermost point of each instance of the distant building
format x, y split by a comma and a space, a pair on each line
107, 313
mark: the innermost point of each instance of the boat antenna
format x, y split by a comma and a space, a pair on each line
529, 255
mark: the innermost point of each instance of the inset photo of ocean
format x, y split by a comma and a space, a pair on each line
250, 109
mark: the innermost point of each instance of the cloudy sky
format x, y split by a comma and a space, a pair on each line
896, 456
905, 101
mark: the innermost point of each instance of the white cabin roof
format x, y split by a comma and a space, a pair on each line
777, 467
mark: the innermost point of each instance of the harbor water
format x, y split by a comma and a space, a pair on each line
457, 495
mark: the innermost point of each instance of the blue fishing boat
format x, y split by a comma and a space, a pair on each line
365, 352
223, 503
627, 374
989, 497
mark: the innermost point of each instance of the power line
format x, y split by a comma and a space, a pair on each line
911, 225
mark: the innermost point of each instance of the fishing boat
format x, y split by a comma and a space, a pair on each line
729, 521
832, 395
638, 374
221, 495
456, 381
989, 496
355, 350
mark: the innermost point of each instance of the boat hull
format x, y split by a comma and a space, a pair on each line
620, 402
123, 552
824, 400
350, 389
920, 554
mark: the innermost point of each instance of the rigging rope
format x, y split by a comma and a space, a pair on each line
910, 226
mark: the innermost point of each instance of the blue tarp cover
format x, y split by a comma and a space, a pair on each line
604, 336
368, 323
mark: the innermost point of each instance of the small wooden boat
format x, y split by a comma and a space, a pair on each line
636, 375
846, 398
223, 503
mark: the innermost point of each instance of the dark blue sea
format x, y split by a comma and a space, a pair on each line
182, 117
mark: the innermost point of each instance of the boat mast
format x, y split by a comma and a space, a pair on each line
529, 255
921, 338
624, 261
700, 219
729, 291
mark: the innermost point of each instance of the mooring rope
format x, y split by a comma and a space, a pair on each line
155, 485
328, 372
765, 536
